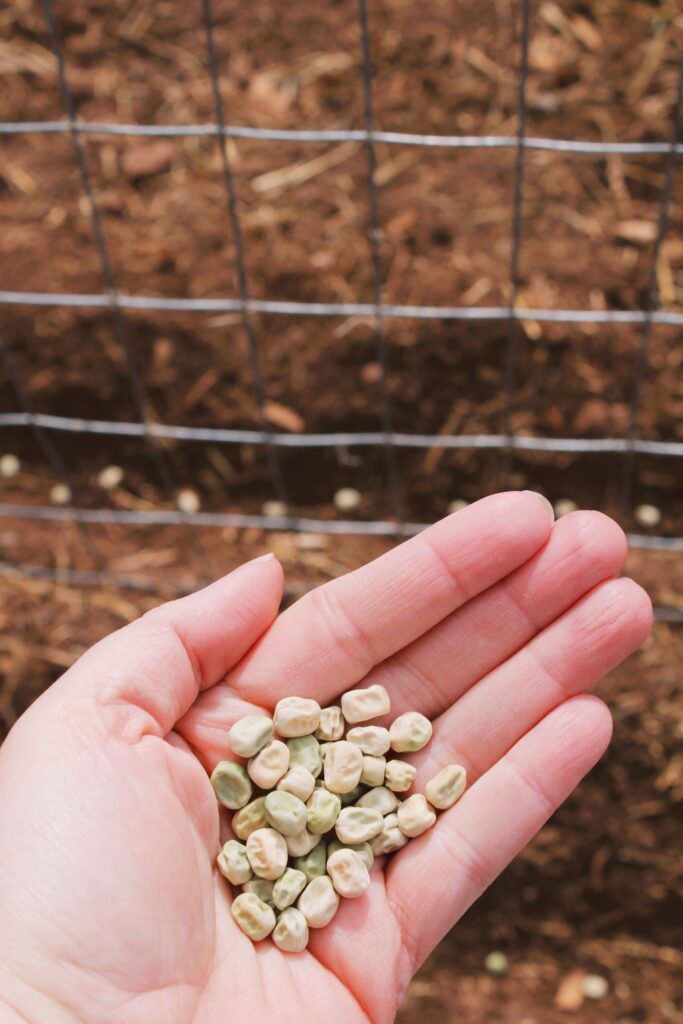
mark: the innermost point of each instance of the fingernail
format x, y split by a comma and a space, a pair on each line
542, 497
264, 558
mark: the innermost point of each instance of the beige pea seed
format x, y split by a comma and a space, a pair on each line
415, 816
231, 784
301, 844
372, 739
358, 824
360, 705
323, 810
313, 864
233, 862
324, 747
261, 888
447, 786
286, 813
364, 851
410, 732
373, 770
298, 781
267, 853
253, 916
304, 752
343, 767
399, 776
296, 716
250, 734
269, 765
291, 931
288, 887
318, 902
390, 838
349, 874
331, 726
249, 818
379, 799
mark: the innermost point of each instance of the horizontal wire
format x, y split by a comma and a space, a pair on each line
295, 524
285, 308
86, 578
224, 435
341, 135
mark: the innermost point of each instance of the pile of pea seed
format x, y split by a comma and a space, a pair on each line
315, 804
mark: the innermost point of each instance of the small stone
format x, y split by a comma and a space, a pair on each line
9, 466
496, 963
647, 515
347, 499
110, 477
564, 506
60, 494
595, 986
188, 501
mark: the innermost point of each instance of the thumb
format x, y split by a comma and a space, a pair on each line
143, 678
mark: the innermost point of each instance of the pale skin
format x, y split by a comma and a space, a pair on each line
493, 623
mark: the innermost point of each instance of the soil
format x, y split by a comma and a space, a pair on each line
600, 890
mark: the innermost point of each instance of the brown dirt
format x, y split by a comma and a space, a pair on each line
600, 889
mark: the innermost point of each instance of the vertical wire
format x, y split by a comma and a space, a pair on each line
651, 304
120, 333
512, 344
375, 237
272, 454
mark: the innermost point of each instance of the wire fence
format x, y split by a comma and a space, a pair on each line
117, 303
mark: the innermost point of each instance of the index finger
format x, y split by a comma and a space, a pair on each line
331, 638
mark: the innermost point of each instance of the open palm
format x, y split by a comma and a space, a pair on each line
492, 623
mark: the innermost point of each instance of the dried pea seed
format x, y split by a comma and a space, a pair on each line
360, 705
446, 787
410, 732
288, 887
379, 799
291, 931
269, 765
364, 851
249, 818
313, 864
390, 838
349, 874
319, 902
331, 726
373, 770
298, 781
253, 916
343, 767
304, 752
250, 734
399, 776
415, 816
303, 843
233, 862
323, 810
296, 716
372, 739
286, 813
231, 784
358, 824
267, 853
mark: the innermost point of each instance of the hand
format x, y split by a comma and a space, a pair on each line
492, 622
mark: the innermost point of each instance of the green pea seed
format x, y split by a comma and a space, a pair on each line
286, 813
305, 751
323, 810
262, 888
313, 864
288, 887
251, 817
231, 784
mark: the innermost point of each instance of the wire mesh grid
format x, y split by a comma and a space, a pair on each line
387, 438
